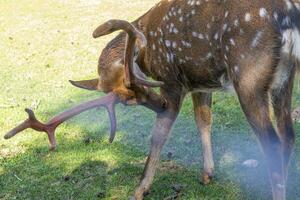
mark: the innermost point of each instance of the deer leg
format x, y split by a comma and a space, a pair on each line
160, 132
255, 104
203, 117
282, 99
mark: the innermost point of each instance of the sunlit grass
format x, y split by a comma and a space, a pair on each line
43, 44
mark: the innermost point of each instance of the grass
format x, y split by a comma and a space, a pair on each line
43, 44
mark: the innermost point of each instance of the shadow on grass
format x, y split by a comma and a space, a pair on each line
41, 180
86, 166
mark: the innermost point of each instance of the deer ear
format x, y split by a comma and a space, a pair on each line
92, 84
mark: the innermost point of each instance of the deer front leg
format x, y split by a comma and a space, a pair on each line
160, 132
203, 117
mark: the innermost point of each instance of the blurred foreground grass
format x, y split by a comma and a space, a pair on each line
43, 44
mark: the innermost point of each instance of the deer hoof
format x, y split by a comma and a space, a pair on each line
136, 198
139, 194
207, 178
52, 148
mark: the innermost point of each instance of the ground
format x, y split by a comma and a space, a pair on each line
43, 44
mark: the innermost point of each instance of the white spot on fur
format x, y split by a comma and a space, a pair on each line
225, 56
232, 42
275, 15
168, 43
198, 35
209, 55
227, 48
236, 22
236, 69
174, 45
216, 36
263, 12
175, 30
153, 47
186, 44
226, 13
247, 17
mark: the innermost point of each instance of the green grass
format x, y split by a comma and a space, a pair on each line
43, 44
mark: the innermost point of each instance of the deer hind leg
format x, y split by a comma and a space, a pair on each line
160, 132
282, 99
203, 117
251, 84
256, 108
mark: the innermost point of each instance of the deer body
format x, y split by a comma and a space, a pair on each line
204, 46
201, 46
181, 52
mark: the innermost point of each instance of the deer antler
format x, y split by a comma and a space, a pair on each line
132, 73
109, 101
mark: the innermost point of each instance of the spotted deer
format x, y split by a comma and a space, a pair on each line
199, 47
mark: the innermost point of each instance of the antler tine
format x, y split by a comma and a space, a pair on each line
141, 79
134, 36
34, 124
31, 114
31, 122
113, 121
109, 101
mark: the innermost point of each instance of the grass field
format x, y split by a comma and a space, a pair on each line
43, 44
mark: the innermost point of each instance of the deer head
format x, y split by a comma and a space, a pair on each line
119, 76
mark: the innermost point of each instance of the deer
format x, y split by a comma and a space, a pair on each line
200, 47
